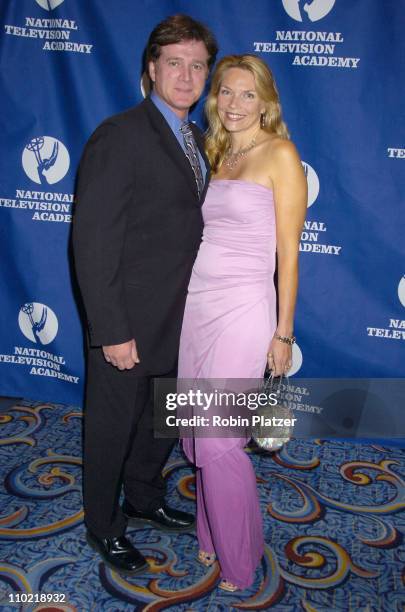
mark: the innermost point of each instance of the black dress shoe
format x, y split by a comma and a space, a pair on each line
118, 554
165, 518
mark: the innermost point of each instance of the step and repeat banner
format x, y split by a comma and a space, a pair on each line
339, 66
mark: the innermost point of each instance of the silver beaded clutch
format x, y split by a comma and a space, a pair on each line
268, 436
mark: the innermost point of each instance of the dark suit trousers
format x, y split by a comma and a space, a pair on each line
119, 447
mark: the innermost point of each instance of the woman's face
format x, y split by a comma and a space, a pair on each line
239, 106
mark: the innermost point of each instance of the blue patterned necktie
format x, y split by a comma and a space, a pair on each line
192, 155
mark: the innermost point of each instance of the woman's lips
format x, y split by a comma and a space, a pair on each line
234, 116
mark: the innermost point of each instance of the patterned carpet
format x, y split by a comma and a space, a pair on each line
334, 526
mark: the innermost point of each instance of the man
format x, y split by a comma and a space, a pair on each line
136, 233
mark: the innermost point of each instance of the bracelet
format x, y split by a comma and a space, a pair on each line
286, 339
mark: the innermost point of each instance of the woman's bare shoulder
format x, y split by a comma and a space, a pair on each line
281, 149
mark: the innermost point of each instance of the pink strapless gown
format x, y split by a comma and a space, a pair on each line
230, 313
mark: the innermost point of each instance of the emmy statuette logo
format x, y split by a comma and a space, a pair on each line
313, 183
49, 5
302, 11
144, 85
38, 322
296, 360
401, 291
45, 160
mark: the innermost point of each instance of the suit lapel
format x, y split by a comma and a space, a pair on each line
169, 142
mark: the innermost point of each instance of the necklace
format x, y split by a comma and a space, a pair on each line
232, 159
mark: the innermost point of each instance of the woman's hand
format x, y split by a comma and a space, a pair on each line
279, 357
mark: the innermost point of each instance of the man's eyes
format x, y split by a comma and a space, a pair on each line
175, 63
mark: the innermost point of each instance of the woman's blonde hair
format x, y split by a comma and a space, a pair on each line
218, 139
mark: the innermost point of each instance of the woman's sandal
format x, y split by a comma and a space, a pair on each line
225, 585
206, 558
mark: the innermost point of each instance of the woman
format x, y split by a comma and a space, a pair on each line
256, 199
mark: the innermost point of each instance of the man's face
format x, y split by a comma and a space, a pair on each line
179, 74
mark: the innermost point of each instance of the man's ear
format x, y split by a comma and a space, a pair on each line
152, 71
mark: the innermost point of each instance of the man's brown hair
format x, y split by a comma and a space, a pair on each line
176, 29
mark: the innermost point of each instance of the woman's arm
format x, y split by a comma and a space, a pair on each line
290, 197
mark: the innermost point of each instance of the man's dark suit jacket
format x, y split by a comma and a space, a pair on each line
136, 232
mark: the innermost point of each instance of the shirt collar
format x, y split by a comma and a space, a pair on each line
172, 119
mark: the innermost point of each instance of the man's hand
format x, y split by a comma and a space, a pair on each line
122, 356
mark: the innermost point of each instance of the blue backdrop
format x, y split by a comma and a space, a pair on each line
67, 64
